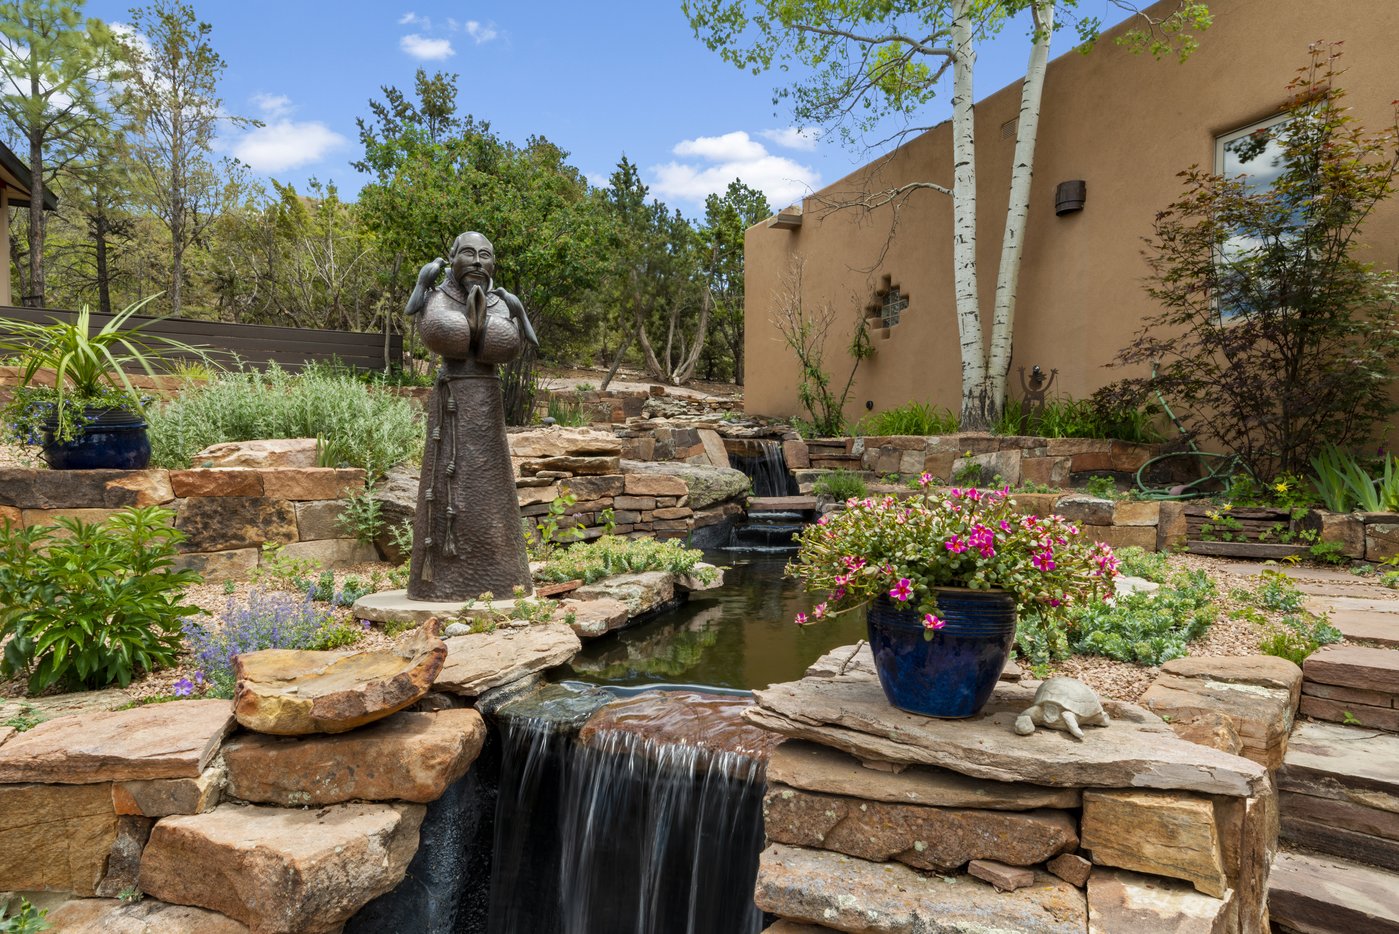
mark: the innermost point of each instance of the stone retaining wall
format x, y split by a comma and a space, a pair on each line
1130, 829
226, 513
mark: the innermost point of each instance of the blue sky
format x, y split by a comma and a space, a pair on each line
599, 80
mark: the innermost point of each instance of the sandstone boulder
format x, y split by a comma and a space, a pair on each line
281, 870
397, 496
595, 617
1127, 901
55, 837
485, 660
221, 523
706, 485
148, 916
165, 797
276, 452
641, 591
1156, 832
811, 767
291, 693
407, 757
558, 441
819, 887
713, 722
174, 740
930, 838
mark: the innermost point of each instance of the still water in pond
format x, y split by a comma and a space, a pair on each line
738, 636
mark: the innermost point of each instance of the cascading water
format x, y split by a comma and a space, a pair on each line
623, 834
767, 469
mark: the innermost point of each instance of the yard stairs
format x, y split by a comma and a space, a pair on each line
1338, 797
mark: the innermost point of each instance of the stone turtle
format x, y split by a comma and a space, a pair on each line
1062, 704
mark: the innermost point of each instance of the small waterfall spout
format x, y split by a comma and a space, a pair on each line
763, 462
621, 829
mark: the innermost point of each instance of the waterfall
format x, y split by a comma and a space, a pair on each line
626, 834
767, 469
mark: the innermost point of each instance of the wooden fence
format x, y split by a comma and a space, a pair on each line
254, 344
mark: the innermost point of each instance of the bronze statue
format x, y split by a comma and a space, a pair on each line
1034, 394
466, 534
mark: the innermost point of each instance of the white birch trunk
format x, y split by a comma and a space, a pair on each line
1013, 239
964, 214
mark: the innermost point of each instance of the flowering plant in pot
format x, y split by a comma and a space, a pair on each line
943, 575
92, 415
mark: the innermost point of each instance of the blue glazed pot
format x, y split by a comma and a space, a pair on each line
951, 675
113, 439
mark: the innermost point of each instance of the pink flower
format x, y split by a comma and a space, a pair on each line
955, 545
801, 619
823, 520
1044, 560
838, 594
902, 591
932, 622
819, 611
925, 479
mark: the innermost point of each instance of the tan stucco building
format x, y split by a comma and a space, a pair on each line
1123, 123
15, 182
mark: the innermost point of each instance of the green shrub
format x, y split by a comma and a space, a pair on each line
368, 427
1300, 635
840, 485
1138, 562
23, 918
572, 413
1099, 417
912, 418
92, 604
609, 555
1146, 628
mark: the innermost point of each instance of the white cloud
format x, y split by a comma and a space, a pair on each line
731, 147
273, 106
733, 155
410, 18
597, 179
793, 138
481, 32
283, 144
424, 48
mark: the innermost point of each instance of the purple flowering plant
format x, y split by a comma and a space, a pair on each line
272, 620
906, 549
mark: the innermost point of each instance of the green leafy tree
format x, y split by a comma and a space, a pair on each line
55, 70
860, 63
726, 218
439, 173
1272, 337
173, 95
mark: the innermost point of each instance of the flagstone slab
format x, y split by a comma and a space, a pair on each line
813, 767
147, 916
1322, 893
819, 887
481, 661
174, 740
1137, 750
1356, 667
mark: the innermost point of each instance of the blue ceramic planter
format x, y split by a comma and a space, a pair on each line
951, 675
113, 439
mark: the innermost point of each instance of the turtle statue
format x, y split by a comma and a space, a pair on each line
1062, 704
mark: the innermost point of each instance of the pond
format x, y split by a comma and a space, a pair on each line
738, 636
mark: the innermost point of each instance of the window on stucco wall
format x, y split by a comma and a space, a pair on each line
1255, 153
888, 307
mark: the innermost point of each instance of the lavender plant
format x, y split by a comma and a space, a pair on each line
266, 621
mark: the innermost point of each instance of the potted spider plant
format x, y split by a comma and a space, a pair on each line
944, 575
92, 416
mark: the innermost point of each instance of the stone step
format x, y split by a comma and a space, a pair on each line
1360, 619
1354, 666
781, 504
1324, 895
1354, 685
1339, 793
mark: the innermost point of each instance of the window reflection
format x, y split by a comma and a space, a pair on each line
1255, 156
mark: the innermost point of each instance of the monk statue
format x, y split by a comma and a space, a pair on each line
467, 536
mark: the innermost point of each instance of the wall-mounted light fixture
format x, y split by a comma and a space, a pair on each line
1069, 196
869, 405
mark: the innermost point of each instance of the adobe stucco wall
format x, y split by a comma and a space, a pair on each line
1125, 123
